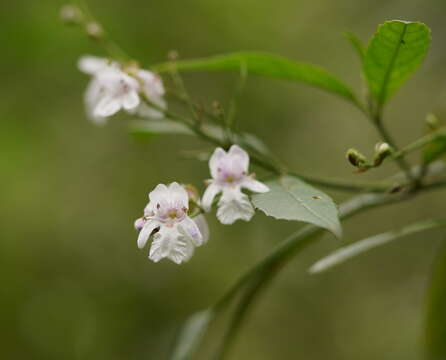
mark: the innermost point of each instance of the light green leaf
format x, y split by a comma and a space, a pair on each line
345, 253
265, 64
191, 335
292, 199
357, 44
436, 309
394, 53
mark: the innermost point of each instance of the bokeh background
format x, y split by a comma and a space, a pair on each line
73, 283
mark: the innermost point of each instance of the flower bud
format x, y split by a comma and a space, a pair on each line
382, 151
356, 158
172, 55
70, 15
432, 121
94, 30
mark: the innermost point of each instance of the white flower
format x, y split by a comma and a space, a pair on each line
229, 171
175, 234
153, 89
113, 88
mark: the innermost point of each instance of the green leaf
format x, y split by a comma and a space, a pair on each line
357, 44
436, 310
191, 335
394, 53
434, 150
292, 199
265, 64
345, 253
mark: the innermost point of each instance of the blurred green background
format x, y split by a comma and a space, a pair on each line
73, 283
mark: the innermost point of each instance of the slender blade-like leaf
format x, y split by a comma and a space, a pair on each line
157, 127
347, 252
394, 53
191, 335
356, 44
265, 64
292, 199
436, 310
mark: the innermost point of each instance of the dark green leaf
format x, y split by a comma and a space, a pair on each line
394, 53
292, 199
265, 64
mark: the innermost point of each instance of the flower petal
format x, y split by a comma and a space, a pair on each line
178, 195
254, 185
191, 229
107, 106
91, 99
240, 156
214, 161
208, 197
152, 84
169, 243
146, 232
234, 205
130, 100
158, 194
92, 64
139, 223
202, 224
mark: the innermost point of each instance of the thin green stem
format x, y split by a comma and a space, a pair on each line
332, 184
389, 139
112, 48
421, 142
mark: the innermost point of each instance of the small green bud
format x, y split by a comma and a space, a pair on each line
432, 121
356, 158
172, 55
71, 15
94, 30
382, 151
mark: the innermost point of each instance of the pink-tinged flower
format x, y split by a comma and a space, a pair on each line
175, 234
114, 87
229, 171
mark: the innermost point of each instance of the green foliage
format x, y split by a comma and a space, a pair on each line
394, 53
343, 254
292, 199
191, 334
265, 64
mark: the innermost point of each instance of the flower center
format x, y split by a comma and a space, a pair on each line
172, 214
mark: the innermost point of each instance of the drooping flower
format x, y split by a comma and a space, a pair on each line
229, 171
175, 234
114, 87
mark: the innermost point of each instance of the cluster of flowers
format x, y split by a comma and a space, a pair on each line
166, 217
114, 87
